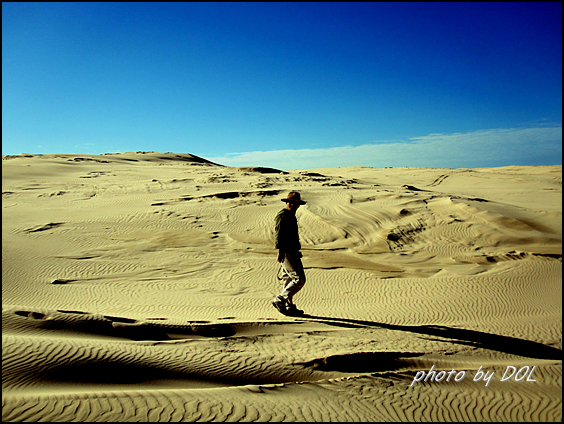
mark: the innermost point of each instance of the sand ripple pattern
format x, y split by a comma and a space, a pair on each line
138, 287
350, 399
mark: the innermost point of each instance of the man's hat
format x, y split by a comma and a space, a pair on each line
294, 197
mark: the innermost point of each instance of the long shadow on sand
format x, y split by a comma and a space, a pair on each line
473, 338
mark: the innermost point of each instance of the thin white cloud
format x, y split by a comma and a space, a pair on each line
485, 148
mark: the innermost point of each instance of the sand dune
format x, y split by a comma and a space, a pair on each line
137, 287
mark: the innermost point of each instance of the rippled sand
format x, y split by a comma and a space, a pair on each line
138, 287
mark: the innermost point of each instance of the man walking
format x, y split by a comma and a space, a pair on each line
288, 244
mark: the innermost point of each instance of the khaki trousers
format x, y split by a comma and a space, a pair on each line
293, 275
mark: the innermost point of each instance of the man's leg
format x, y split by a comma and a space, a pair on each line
280, 302
293, 276
286, 277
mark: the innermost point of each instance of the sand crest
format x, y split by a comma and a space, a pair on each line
138, 287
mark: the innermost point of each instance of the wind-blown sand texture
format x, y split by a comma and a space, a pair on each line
138, 287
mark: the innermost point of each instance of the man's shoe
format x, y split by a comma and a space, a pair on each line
280, 304
292, 310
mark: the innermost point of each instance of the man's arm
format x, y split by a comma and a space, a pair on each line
279, 237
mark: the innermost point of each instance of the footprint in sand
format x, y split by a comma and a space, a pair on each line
31, 314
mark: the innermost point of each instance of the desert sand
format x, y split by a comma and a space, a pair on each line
138, 287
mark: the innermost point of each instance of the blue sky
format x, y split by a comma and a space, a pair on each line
289, 85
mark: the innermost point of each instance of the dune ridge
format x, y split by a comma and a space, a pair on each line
137, 286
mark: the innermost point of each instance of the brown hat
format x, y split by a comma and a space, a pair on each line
294, 197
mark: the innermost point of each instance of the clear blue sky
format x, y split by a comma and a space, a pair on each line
292, 85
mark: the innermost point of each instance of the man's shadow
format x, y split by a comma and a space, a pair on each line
505, 344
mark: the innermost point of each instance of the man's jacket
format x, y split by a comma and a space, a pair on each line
286, 232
